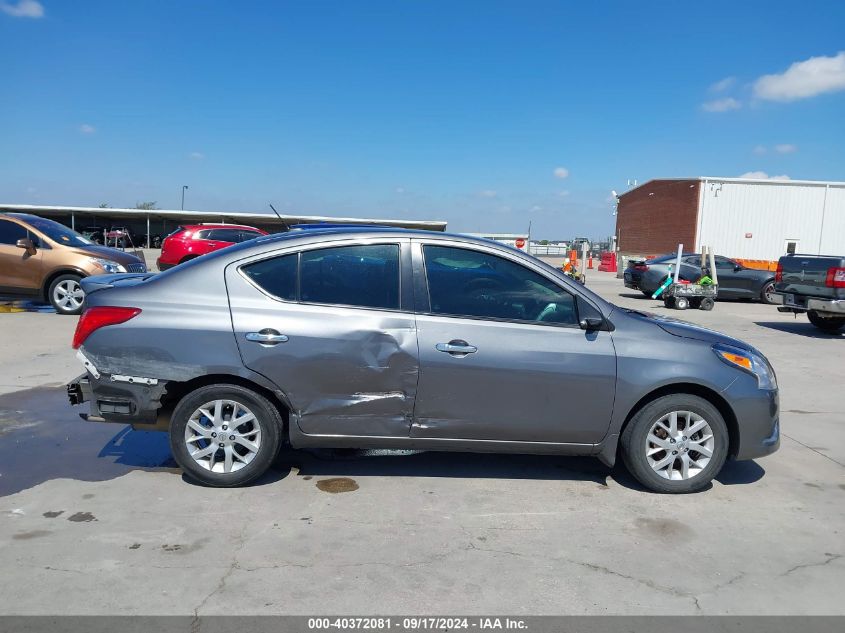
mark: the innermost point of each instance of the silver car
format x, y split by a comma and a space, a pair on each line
401, 339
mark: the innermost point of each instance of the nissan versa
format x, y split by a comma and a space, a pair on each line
404, 339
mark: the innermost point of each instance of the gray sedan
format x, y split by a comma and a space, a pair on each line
400, 339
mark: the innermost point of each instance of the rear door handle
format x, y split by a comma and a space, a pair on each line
266, 336
456, 347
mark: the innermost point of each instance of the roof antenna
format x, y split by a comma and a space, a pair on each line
286, 225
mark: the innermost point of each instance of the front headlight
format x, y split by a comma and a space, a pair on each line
107, 265
746, 360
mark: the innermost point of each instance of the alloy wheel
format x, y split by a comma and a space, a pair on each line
223, 436
679, 445
769, 292
68, 295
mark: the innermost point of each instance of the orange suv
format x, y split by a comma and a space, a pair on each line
45, 260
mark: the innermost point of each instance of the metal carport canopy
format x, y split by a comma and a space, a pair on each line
233, 217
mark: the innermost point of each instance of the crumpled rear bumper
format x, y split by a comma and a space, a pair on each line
118, 399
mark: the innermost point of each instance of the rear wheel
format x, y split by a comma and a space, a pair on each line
676, 444
827, 324
225, 435
707, 303
66, 295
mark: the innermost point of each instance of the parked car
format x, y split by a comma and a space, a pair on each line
814, 285
735, 280
189, 242
44, 259
387, 338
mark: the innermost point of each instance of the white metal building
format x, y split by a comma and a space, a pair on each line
739, 218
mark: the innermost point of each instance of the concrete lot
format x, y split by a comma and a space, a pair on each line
95, 519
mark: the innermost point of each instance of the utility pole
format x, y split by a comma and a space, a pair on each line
183, 196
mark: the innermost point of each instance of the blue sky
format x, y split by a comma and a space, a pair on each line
486, 114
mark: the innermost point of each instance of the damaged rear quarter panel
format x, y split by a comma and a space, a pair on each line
183, 331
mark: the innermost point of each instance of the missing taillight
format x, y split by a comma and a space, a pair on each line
100, 316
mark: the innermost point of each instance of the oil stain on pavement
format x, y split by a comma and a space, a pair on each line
337, 484
42, 437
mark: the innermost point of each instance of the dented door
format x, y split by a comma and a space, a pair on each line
346, 370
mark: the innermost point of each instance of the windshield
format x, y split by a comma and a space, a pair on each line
59, 233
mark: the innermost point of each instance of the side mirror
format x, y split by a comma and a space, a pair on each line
25, 244
737, 268
591, 323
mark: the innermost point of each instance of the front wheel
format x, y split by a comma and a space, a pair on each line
66, 295
767, 294
826, 324
225, 435
676, 444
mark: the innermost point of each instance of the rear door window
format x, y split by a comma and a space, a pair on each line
464, 282
362, 276
225, 235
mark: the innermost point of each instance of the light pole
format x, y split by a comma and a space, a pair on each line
183, 196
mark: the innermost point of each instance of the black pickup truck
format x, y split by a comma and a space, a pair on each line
814, 284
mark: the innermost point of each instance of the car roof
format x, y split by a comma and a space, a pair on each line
25, 217
215, 225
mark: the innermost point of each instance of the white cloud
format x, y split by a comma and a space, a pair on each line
487, 193
759, 150
87, 128
761, 175
561, 172
722, 85
197, 155
721, 105
786, 148
803, 80
23, 9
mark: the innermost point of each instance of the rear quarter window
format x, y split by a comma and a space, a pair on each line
275, 276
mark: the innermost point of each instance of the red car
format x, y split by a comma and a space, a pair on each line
188, 242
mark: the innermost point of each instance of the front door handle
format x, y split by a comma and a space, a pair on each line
456, 347
267, 336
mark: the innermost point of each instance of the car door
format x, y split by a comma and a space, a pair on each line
332, 327
20, 269
502, 356
735, 282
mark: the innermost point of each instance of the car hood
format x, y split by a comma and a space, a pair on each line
105, 252
684, 329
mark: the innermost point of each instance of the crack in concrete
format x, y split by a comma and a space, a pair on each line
195, 621
830, 558
817, 452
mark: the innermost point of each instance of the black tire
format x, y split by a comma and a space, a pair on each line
634, 442
65, 281
669, 302
267, 419
766, 291
830, 324
681, 303
707, 304
646, 293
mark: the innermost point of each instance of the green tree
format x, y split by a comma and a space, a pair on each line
146, 206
